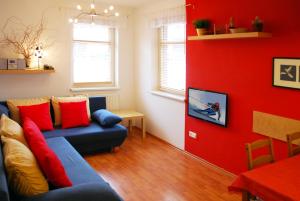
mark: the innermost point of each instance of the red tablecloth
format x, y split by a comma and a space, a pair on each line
279, 181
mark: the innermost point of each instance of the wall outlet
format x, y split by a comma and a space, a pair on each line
193, 134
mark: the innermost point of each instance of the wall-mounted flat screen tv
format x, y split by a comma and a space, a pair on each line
208, 105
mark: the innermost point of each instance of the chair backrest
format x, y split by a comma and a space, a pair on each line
293, 149
263, 159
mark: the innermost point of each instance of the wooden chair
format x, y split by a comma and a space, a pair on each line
260, 160
293, 150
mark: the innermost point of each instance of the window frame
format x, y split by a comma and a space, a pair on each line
161, 42
113, 66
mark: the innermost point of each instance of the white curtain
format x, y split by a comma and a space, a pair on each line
168, 16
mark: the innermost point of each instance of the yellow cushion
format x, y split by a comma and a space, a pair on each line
24, 174
55, 104
14, 103
11, 129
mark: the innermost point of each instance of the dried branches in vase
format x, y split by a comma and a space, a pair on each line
22, 38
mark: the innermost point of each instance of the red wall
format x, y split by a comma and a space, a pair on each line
243, 69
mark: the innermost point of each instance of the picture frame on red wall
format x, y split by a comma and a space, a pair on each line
286, 72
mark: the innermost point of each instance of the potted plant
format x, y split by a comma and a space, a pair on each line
202, 26
257, 24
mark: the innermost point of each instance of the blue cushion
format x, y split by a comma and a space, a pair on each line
106, 118
4, 193
92, 138
3, 110
76, 168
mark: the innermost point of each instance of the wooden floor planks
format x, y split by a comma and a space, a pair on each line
152, 170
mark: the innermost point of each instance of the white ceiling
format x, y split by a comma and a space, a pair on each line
131, 3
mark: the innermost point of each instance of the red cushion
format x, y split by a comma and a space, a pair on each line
46, 158
73, 114
40, 114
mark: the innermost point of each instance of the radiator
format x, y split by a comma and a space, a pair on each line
112, 101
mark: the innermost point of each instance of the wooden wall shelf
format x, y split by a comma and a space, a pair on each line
27, 71
232, 36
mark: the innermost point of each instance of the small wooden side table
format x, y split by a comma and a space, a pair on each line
131, 115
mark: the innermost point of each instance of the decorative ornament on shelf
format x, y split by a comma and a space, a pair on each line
23, 39
233, 29
202, 26
92, 13
257, 24
39, 54
231, 23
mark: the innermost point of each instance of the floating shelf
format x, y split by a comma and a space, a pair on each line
232, 36
27, 71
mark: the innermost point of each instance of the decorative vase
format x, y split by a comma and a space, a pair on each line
28, 61
201, 31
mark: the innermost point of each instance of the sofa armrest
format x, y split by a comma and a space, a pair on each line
88, 191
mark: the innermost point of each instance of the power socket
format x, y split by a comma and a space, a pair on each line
193, 134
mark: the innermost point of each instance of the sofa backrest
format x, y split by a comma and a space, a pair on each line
4, 192
96, 103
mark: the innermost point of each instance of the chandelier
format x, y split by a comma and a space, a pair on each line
92, 13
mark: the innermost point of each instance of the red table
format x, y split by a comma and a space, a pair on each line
279, 181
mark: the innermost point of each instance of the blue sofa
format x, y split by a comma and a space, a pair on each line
66, 143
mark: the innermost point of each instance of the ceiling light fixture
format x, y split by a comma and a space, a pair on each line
92, 13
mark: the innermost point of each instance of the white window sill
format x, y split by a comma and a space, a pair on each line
94, 89
169, 95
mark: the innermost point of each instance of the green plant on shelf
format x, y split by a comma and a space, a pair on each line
202, 24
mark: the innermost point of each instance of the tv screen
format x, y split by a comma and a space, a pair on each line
208, 105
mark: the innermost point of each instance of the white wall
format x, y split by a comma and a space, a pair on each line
165, 117
56, 14
137, 62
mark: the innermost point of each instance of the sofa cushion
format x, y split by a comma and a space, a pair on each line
24, 174
48, 161
11, 129
74, 114
92, 138
56, 107
87, 191
14, 103
4, 193
39, 114
106, 118
75, 166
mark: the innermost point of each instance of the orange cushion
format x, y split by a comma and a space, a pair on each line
11, 129
14, 103
55, 103
24, 175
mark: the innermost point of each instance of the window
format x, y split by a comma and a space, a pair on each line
93, 55
172, 64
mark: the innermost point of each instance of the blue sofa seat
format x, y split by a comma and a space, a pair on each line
92, 138
87, 184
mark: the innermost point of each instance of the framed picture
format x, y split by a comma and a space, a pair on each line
286, 72
208, 105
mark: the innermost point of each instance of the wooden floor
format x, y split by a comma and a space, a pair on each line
152, 170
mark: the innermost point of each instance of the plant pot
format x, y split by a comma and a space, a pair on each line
258, 27
201, 32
